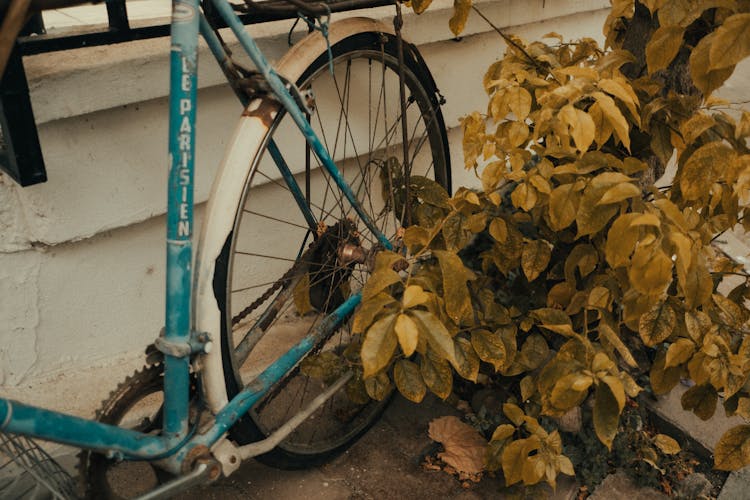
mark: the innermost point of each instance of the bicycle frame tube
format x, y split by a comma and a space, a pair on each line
287, 101
182, 103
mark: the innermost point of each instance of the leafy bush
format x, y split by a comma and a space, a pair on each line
570, 273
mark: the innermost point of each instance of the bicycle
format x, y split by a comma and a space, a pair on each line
227, 380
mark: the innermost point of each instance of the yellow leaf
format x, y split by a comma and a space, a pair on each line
467, 361
584, 130
524, 196
464, 446
473, 128
519, 102
663, 47
657, 324
571, 390
591, 217
437, 375
615, 117
438, 337
583, 257
666, 444
731, 43
420, 6
663, 379
608, 403
621, 89
564, 201
407, 333
489, 347
703, 168
695, 126
455, 291
369, 310
732, 451
515, 457
379, 345
379, 386
650, 271
457, 22
535, 258
653, 5
409, 381
383, 277
499, 229
602, 125
620, 192
701, 399
706, 79
414, 295
301, 295
680, 351
621, 240
609, 336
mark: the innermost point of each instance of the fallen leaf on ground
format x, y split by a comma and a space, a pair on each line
464, 446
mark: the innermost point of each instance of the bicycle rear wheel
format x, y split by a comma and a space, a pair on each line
357, 114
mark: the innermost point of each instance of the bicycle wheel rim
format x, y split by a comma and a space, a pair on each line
368, 49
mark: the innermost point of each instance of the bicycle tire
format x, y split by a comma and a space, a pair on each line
233, 269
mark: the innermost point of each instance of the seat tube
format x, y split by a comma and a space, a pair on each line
183, 63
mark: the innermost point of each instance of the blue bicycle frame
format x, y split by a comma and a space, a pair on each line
179, 342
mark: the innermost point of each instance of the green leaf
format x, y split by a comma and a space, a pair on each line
489, 347
379, 345
608, 404
657, 324
663, 46
732, 451
437, 375
666, 444
455, 292
409, 380
535, 258
701, 399
407, 333
732, 42
438, 337
467, 361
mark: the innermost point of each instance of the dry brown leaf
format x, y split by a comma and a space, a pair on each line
464, 446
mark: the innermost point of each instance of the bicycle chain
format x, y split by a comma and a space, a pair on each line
279, 283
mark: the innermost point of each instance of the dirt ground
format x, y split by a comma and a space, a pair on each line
384, 463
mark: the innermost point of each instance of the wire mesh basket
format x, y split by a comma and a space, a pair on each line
28, 472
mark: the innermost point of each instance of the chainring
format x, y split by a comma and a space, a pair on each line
136, 403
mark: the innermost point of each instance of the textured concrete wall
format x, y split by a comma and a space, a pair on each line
81, 256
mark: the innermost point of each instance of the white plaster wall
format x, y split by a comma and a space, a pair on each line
82, 257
